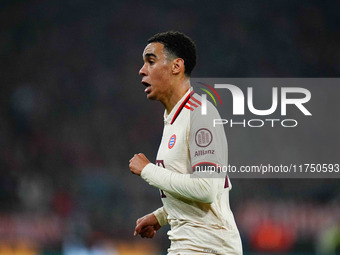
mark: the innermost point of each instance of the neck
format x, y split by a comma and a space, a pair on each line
176, 95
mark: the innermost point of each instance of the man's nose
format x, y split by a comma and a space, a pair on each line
142, 71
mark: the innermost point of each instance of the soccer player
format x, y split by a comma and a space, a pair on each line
196, 206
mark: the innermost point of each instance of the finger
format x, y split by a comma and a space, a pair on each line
139, 220
141, 155
145, 230
148, 232
139, 227
152, 234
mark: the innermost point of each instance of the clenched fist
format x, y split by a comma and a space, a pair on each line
137, 163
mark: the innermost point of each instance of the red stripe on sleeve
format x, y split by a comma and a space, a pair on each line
191, 103
188, 107
196, 101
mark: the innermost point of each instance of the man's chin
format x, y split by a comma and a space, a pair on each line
150, 96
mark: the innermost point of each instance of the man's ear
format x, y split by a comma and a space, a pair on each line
178, 66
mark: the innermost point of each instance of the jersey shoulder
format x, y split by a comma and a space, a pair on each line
196, 106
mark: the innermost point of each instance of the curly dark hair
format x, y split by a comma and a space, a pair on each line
178, 45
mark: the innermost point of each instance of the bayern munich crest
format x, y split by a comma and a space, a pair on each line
172, 141
203, 137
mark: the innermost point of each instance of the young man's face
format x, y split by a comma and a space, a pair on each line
156, 72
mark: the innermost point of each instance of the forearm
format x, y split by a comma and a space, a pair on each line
199, 189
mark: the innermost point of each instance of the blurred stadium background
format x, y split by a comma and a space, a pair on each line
73, 112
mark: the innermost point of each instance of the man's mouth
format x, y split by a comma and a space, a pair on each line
148, 87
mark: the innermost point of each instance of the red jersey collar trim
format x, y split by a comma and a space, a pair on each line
180, 108
171, 117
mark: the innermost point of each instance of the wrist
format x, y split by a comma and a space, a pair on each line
144, 171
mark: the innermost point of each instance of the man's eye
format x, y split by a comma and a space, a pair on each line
151, 62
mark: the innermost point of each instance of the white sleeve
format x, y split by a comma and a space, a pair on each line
199, 189
209, 147
161, 216
208, 143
